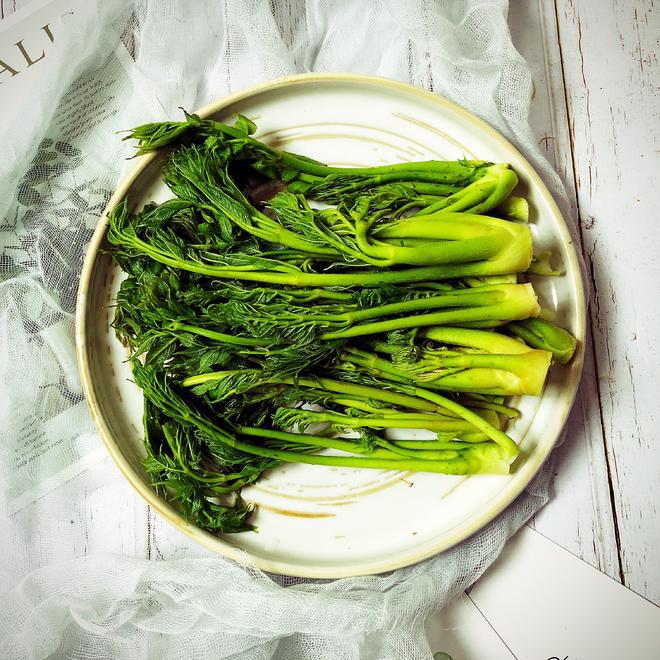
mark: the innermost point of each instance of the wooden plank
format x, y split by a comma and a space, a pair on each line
609, 62
577, 517
581, 518
527, 34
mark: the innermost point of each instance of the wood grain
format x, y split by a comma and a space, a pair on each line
608, 56
579, 516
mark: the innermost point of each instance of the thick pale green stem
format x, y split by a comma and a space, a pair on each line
518, 302
491, 342
485, 193
501, 438
220, 336
543, 334
488, 373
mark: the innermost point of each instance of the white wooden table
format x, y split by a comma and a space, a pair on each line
596, 111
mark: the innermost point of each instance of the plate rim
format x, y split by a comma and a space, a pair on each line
463, 531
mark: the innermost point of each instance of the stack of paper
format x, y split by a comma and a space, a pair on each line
540, 602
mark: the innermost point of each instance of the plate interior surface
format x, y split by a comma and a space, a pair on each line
323, 521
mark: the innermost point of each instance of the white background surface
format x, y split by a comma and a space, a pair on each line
596, 111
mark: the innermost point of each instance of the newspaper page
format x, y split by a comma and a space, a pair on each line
28, 40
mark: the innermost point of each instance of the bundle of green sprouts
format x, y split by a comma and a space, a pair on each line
278, 310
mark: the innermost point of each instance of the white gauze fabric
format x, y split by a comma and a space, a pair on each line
74, 585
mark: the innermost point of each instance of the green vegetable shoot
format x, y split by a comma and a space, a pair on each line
280, 310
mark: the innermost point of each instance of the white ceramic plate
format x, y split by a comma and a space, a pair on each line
329, 522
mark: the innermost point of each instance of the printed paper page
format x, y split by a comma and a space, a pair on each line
547, 604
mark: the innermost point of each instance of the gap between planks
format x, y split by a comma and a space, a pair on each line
611, 78
579, 516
